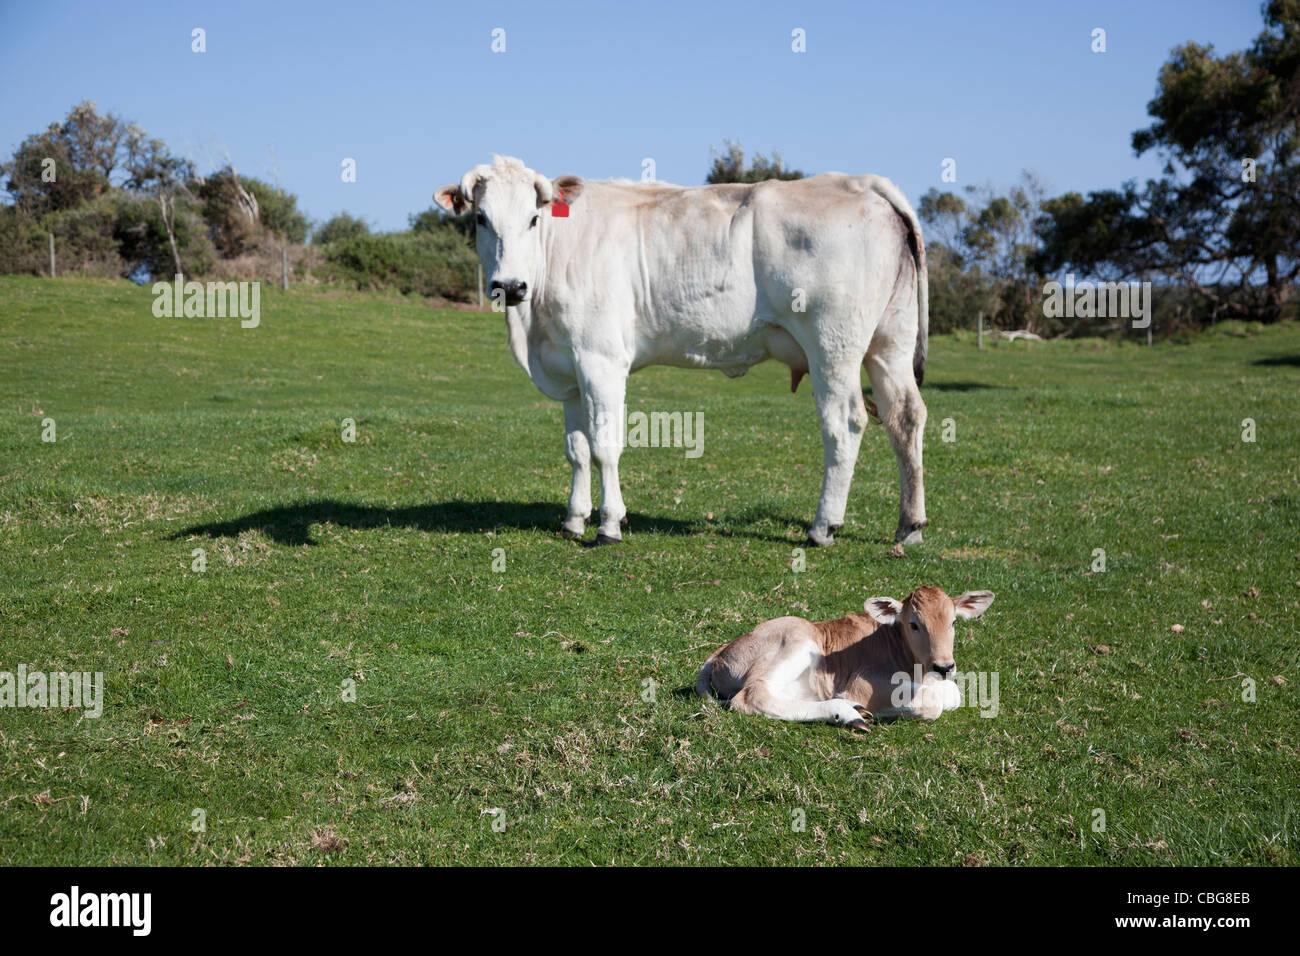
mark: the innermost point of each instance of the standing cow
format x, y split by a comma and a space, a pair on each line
600, 279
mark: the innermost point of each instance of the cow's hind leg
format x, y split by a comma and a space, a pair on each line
577, 449
837, 389
893, 386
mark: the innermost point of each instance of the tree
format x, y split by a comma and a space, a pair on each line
729, 167
982, 254
70, 163
153, 170
1224, 217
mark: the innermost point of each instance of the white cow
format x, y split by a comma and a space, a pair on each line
825, 274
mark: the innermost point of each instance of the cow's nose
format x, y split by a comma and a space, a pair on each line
515, 290
943, 670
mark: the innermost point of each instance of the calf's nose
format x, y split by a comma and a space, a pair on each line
943, 670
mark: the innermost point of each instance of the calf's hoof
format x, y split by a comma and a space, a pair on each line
569, 534
859, 725
602, 538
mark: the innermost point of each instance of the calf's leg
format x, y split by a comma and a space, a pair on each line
924, 701
760, 698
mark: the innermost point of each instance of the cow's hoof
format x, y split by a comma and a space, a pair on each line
910, 534
602, 538
862, 710
859, 725
569, 534
819, 540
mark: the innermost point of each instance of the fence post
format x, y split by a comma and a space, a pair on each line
979, 336
51, 255
478, 271
284, 268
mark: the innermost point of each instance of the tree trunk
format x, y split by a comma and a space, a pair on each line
169, 220
1277, 291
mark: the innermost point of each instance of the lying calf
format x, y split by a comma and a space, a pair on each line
839, 671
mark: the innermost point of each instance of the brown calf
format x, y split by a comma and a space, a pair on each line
892, 661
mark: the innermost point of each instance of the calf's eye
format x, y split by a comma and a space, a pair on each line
914, 627
533, 224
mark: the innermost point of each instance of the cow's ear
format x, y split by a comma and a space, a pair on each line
451, 199
568, 188
973, 603
883, 610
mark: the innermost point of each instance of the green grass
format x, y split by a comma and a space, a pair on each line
526, 691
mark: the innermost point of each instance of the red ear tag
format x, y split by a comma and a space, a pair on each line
560, 209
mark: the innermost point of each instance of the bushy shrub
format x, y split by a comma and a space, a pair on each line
142, 237
86, 237
339, 227
426, 263
23, 244
279, 211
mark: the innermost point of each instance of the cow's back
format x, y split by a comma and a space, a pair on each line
700, 269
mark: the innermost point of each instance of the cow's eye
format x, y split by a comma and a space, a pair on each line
533, 224
914, 627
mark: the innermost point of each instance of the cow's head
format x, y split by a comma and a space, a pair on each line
510, 203
926, 618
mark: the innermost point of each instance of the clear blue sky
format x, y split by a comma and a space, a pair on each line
415, 94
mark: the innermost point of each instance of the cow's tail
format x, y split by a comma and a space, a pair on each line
891, 194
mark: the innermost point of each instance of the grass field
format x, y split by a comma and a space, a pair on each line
541, 713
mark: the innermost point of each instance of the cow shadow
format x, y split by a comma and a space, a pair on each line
962, 386
1278, 361
291, 524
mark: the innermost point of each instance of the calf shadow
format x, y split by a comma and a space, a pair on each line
292, 523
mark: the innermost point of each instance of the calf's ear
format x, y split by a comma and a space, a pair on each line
883, 610
973, 603
451, 199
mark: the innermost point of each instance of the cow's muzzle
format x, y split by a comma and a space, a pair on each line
943, 670
513, 290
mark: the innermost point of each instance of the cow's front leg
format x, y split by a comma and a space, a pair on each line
843, 415
603, 385
578, 450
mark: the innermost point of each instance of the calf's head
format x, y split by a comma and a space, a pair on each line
926, 618
511, 203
